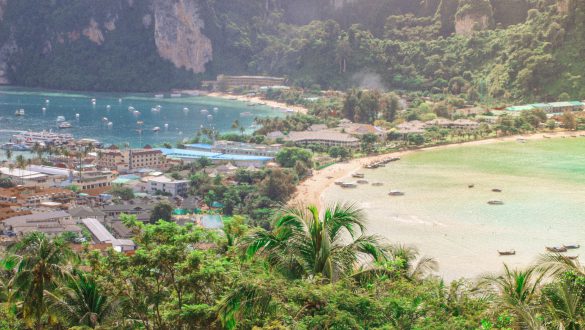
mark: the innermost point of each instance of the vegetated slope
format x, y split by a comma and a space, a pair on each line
488, 49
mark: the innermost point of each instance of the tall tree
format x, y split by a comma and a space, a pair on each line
304, 243
40, 263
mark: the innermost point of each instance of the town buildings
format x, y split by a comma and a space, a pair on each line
225, 82
131, 159
35, 197
50, 223
165, 185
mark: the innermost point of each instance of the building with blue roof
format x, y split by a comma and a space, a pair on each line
554, 107
215, 157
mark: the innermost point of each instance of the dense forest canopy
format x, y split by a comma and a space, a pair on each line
499, 49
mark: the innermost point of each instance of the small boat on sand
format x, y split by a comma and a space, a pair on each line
348, 185
338, 183
571, 246
362, 181
497, 190
470, 186
495, 203
358, 175
507, 253
396, 193
377, 184
572, 257
556, 249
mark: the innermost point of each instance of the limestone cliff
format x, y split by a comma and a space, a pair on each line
178, 34
467, 24
93, 32
473, 15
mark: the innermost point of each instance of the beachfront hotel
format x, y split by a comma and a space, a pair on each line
326, 138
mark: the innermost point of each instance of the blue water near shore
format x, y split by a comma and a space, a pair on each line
125, 129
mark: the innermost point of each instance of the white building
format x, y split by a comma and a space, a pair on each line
102, 236
162, 184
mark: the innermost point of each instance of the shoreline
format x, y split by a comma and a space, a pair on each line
312, 189
257, 99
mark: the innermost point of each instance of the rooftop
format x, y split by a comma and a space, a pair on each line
196, 154
321, 135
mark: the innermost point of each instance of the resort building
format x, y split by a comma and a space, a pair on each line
237, 148
131, 159
254, 82
217, 158
326, 138
163, 184
554, 107
33, 197
411, 127
49, 223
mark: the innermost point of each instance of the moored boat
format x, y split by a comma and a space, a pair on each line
65, 125
396, 193
571, 246
19, 112
362, 181
497, 190
156, 129
348, 185
358, 175
556, 249
507, 252
495, 202
338, 183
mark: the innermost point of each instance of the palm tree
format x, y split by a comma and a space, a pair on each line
565, 301
303, 243
40, 262
557, 264
410, 264
8, 153
21, 165
79, 302
517, 290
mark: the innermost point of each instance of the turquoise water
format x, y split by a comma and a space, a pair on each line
125, 129
542, 182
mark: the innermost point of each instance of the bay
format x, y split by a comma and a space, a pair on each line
126, 128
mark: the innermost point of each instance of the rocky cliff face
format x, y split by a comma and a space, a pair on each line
178, 34
467, 24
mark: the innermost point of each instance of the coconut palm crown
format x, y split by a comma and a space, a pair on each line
305, 243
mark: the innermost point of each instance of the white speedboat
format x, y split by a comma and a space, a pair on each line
65, 125
60, 119
156, 129
19, 112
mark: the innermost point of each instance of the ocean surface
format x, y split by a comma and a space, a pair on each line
543, 190
183, 115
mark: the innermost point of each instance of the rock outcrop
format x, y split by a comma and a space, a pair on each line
178, 34
473, 15
467, 24
93, 32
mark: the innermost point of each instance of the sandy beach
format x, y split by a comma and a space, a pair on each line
310, 191
258, 100
452, 223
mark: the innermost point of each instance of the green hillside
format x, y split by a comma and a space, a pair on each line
526, 49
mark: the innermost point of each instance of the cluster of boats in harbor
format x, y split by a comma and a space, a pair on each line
381, 163
24, 141
554, 249
362, 181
